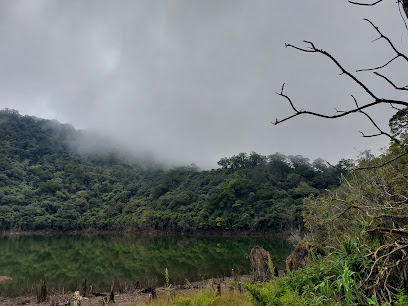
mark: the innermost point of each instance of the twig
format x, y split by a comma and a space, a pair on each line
389, 81
388, 231
365, 4
312, 48
399, 54
379, 67
391, 216
380, 165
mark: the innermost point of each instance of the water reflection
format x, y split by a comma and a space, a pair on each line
64, 261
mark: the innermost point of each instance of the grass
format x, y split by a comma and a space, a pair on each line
203, 297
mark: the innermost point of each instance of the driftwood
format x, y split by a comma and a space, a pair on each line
96, 293
149, 290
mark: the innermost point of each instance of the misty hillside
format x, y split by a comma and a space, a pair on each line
45, 184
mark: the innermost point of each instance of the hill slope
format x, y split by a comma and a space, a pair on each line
46, 185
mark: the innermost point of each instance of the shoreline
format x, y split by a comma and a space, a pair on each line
137, 296
283, 234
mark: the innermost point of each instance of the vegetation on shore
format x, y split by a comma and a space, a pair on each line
45, 184
356, 248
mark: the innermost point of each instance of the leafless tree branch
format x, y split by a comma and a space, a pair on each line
381, 132
388, 230
379, 67
382, 164
341, 114
399, 54
400, 3
369, 136
391, 216
390, 82
313, 49
365, 4
371, 167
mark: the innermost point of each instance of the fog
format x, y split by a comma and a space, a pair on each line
194, 81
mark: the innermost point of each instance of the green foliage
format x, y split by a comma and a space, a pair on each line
362, 226
209, 297
46, 185
203, 297
401, 298
399, 124
276, 292
347, 284
326, 281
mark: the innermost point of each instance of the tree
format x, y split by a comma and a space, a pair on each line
400, 105
365, 219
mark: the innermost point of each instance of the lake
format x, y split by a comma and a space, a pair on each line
64, 261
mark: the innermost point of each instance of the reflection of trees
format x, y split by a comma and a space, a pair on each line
65, 261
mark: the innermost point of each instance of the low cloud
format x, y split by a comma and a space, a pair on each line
192, 82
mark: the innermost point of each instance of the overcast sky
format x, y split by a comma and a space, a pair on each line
194, 81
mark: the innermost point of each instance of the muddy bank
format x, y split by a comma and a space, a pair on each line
132, 297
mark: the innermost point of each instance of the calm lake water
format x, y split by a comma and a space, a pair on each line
64, 261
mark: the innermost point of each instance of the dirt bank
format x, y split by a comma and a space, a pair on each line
136, 297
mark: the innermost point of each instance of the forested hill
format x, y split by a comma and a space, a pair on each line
45, 185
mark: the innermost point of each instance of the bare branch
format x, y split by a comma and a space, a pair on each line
369, 136
383, 247
379, 67
380, 165
338, 115
313, 49
381, 131
388, 230
389, 81
399, 2
399, 54
365, 4
298, 48
391, 216
396, 108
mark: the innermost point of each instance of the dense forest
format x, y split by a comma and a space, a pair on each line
45, 184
